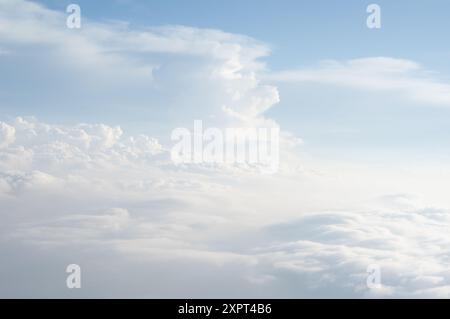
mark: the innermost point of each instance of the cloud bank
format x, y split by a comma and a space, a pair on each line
89, 193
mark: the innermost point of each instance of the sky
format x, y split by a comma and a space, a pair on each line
86, 175
299, 32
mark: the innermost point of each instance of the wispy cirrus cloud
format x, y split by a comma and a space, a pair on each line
380, 74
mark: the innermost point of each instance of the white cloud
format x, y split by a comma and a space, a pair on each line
334, 249
385, 74
92, 189
34, 144
123, 62
7, 134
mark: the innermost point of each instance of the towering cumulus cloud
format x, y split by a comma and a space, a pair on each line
174, 73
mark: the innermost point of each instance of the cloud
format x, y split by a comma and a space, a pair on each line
330, 250
93, 190
36, 145
108, 197
158, 72
7, 134
379, 74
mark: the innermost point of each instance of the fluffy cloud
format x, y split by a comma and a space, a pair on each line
7, 134
174, 73
386, 74
334, 250
74, 194
36, 145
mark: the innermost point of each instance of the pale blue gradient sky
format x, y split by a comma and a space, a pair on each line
300, 34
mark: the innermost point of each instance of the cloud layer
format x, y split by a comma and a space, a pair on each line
69, 193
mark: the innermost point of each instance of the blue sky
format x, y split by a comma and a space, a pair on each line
300, 32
